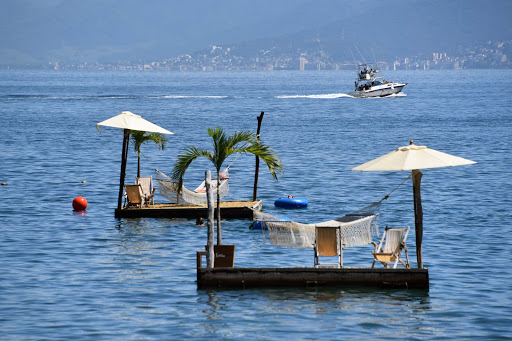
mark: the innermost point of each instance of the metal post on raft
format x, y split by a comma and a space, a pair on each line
256, 173
210, 255
124, 157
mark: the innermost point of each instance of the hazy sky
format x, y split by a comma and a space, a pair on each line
41, 30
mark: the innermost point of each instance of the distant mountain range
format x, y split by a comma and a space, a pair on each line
77, 31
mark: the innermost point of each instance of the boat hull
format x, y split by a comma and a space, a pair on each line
380, 91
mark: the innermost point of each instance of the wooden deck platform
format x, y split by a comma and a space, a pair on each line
229, 210
309, 277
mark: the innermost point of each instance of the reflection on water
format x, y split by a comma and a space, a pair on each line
136, 247
82, 213
366, 309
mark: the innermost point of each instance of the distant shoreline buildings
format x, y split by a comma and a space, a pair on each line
492, 55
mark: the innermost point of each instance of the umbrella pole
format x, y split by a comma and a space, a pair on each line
124, 157
418, 214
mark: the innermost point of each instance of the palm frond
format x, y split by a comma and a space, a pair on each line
141, 137
184, 160
159, 139
267, 155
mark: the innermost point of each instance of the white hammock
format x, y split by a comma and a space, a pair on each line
356, 230
167, 188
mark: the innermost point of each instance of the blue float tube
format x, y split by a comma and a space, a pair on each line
291, 203
260, 224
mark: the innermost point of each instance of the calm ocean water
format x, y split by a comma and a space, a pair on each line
83, 276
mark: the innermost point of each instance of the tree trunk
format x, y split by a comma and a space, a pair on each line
138, 164
219, 232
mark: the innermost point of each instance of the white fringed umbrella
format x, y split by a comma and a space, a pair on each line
129, 121
414, 158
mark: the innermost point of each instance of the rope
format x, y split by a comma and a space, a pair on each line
394, 189
232, 162
376, 204
148, 160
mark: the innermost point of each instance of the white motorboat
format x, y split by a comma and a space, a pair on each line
369, 85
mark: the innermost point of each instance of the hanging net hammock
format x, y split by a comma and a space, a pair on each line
356, 229
168, 188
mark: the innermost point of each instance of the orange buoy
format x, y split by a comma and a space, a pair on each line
79, 204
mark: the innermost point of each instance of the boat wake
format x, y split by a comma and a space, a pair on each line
321, 96
188, 96
101, 97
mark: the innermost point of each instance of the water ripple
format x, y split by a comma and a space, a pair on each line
69, 275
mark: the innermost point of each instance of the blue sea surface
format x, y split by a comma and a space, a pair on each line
69, 275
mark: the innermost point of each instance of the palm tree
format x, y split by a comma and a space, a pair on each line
223, 147
141, 137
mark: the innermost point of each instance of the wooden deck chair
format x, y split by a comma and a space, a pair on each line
148, 191
328, 244
133, 196
391, 246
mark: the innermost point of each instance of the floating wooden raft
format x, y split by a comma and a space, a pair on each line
306, 277
229, 210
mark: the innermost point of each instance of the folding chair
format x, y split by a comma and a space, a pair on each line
391, 246
148, 191
328, 244
133, 196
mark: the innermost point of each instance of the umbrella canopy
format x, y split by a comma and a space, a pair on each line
412, 157
128, 120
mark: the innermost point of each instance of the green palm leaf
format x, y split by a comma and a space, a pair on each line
223, 147
141, 137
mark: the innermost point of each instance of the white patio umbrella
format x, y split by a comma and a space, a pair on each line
129, 121
414, 158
